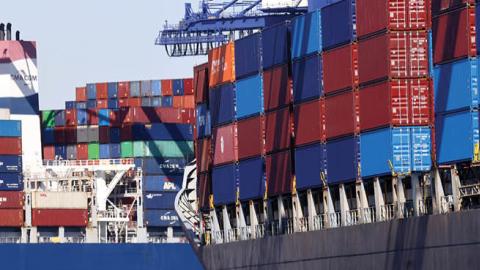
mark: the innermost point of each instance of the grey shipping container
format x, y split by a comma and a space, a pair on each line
82, 134
72, 152
93, 134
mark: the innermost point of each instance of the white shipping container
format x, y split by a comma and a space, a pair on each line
274, 4
59, 200
4, 114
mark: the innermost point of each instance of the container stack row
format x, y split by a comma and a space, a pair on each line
337, 94
456, 73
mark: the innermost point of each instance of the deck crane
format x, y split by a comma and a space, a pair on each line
218, 21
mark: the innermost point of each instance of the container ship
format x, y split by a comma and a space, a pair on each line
343, 136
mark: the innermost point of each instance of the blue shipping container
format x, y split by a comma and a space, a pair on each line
156, 183
163, 131
310, 163
82, 117
204, 125
477, 24
104, 117
91, 104
403, 149
430, 53
167, 101
115, 150
318, 4
161, 166
307, 78
10, 164
306, 34
162, 218
11, 182
134, 89
61, 151
159, 200
342, 160
81, 105
252, 179
59, 118
112, 90
48, 136
248, 56
70, 105
338, 24
156, 88
113, 104
249, 96
10, 128
91, 91
276, 39
222, 108
177, 86
115, 135
105, 151
224, 184
457, 137
456, 85
146, 88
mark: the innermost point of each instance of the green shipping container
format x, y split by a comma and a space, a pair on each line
93, 151
170, 149
126, 149
139, 148
48, 119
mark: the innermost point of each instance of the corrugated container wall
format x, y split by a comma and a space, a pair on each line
248, 53
310, 164
338, 24
224, 184
249, 97
306, 34
307, 78
277, 88
277, 39
222, 65
251, 177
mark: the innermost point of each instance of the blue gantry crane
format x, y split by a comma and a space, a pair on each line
216, 22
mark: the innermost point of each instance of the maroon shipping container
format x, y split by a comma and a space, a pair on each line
278, 129
393, 55
10, 146
225, 144
204, 190
143, 115
309, 122
104, 134
395, 15
251, 137
102, 90
92, 117
48, 152
123, 90
71, 117
395, 103
115, 118
11, 199
454, 35
59, 135
188, 86
102, 104
341, 117
187, 116
439, 6
71, 135
81, 94
279, 173
340, 68
134, 102
122, 102
126, 133
277, 88
11, 218
82, 151
168, 115
203, 152
60, 217
200, 78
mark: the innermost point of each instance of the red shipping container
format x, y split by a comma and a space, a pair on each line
81, 94
11, 199
102, 104
279, 173
225, 144
167, 87
168, 115
395, 103
123, 102
92, 116
82, 151
251, 137
278, 128
393, 55
126, 115
309, 122
71, 117
48, 152
341, 116
126, 133
144, 115
11, 218
178, 102
204, 190
439, 6
454, 35
187, 116
123, 90
277, 88
394, 15
134, 102
189, 102
10, 146
340, 68
200, 79
188, 86
59, 135
60, 217
71, 135
203, 152
102, 90
104, 134
115, 117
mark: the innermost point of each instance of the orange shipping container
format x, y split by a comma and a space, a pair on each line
178, 102
221, 63
167, 88
189, 102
